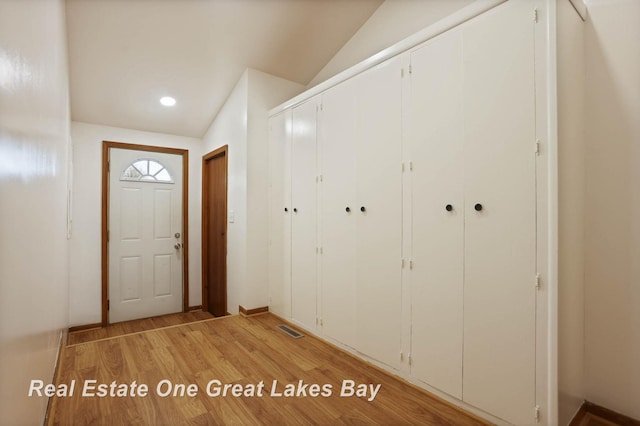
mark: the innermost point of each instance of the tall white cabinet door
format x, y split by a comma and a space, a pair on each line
280, 214
436, 137
304, 215
500, 243
379, 228
338, 133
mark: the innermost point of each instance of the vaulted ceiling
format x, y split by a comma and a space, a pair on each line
126, 54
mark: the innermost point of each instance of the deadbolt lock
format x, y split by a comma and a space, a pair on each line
177, 235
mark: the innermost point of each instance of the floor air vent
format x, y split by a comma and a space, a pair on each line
290, 331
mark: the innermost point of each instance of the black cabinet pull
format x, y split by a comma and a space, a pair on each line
449, 207
295, 210
347, 209
478, 207
362, 209
286, 209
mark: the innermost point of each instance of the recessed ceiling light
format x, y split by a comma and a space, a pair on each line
167, 101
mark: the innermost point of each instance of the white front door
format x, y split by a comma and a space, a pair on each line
145, 234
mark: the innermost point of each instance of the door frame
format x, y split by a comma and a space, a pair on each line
106, 145
219, 152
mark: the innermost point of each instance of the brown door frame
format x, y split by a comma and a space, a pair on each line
222, 151
106, 145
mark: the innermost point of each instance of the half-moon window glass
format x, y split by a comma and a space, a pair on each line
146, 170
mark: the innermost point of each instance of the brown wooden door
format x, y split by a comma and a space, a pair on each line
214, 232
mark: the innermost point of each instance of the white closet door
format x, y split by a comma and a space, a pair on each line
500, 244
280, 214
436, 136
379, 228
304, 215
339, 212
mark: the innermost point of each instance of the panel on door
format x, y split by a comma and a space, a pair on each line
379, 212
304, 215
145, 226
500, 238
338, 134
436, 137
280, 214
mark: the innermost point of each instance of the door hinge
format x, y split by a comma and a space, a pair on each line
107, 236
402, 263
108, 304
409, 358
537, 281
535, 15
401, 356
319, 250
537, 148
410, 263
536, 413
401, 72
410, 69
319, 321
410, 166
108, 166
403, 167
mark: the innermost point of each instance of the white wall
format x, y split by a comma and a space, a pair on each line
230, 128
265, 92
612, 205
393, 21
242, 124
34, 147
85, 248
570, 57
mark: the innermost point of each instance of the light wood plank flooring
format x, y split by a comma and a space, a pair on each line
235, 349
135, 326
593, 420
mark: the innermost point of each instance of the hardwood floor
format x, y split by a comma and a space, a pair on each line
243, 351
593, 420
135, 326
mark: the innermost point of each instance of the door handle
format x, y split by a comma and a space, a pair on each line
178, 246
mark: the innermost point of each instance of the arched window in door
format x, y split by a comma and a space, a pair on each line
146, 170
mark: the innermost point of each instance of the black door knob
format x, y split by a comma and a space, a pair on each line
286, 209
362, 209
295, 210
449, 207
478, 207
347, 209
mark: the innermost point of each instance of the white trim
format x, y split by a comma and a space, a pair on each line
553, 205
476, 8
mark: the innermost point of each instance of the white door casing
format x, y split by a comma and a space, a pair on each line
145, 237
